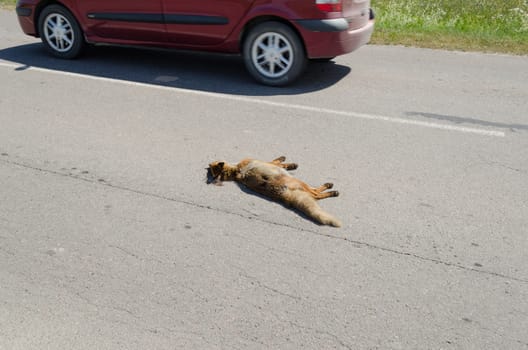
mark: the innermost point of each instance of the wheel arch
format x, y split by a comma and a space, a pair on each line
253, 22
42, 5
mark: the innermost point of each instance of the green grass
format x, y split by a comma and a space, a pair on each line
481, 25
9, 4
470, 25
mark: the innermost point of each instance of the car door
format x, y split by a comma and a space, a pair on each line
124, 20
203, 22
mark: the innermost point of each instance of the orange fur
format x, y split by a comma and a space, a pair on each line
271, 179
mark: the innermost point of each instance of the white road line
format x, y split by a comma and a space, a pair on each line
396, 120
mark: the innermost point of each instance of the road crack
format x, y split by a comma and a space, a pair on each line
355, 243
261, 284
324, 333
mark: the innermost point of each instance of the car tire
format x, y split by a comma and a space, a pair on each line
60, 32
274, 54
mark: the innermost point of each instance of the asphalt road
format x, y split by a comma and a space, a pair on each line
110, 237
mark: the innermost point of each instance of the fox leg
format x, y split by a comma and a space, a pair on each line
318, 192
279, 160
280, 163
323, 195
289, 166
324, 187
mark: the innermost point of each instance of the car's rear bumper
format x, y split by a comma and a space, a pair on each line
25, 14
330, 38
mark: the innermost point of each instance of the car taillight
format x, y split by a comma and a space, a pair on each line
329, 5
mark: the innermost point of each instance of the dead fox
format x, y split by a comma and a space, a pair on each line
272, 180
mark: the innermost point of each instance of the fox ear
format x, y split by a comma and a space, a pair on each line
221, 165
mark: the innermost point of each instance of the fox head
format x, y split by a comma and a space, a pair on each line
214, 172
221, 171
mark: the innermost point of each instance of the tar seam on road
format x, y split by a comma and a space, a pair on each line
207, 207
478, 131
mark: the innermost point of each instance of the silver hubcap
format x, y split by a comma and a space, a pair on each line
58, 32
272, 55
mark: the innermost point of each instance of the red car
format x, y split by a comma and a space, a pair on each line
275, 37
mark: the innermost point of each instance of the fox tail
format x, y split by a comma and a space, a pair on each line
308, 205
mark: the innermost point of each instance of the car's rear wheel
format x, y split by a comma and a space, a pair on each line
60, 32
273, 53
